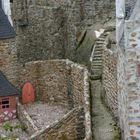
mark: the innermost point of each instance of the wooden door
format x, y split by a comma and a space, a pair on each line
28, 94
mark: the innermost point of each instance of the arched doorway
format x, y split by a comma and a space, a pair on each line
28, 94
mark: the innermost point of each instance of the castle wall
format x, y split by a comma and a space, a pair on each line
132, 72
49, 29
8, 59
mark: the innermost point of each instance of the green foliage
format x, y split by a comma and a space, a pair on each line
5, 138
21, 126
8, 127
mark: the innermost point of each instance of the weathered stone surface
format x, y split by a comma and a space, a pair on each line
48, 29
83, 51
8, 59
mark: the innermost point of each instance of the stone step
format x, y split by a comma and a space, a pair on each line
96, 65
97, 61
96, 68
97, 55
97, 58
98, 49
95, 77
100, 42
99, 46
101, 39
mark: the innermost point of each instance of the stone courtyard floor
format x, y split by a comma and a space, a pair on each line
44, 114
12, 130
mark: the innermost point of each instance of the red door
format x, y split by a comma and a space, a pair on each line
28, 94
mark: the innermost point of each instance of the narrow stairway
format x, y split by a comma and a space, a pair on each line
96, 56
103, 124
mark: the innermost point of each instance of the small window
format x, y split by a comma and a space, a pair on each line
7, 106
11, 1
4, 103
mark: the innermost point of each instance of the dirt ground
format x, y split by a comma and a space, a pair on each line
44, 114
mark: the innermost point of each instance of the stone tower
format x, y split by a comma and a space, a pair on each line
8, 53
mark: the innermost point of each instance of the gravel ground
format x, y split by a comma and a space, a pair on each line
13, 130
44, 114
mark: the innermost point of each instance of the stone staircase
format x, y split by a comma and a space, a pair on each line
96, 56
104, 127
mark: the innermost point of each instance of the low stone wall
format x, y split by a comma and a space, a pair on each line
26, 119
61, 82
115, 86
8, 59
65, 128
109, 79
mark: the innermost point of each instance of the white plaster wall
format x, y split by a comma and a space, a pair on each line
120, 15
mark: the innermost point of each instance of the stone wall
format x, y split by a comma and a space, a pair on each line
8, 59
109, 78
48, 79
61, 82
114, 84
122, 93
133, 76
65, 128
49, 29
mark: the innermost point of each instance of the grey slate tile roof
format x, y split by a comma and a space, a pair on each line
6, 88
0, 4
129, 7
6, 30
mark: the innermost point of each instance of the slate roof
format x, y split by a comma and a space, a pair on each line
6, 30
129, 7
6, 88
0, 4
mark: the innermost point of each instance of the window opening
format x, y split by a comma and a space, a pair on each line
4, 103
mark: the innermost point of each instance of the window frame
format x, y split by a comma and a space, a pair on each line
4, 103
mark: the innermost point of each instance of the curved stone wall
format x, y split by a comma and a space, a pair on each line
61, 82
